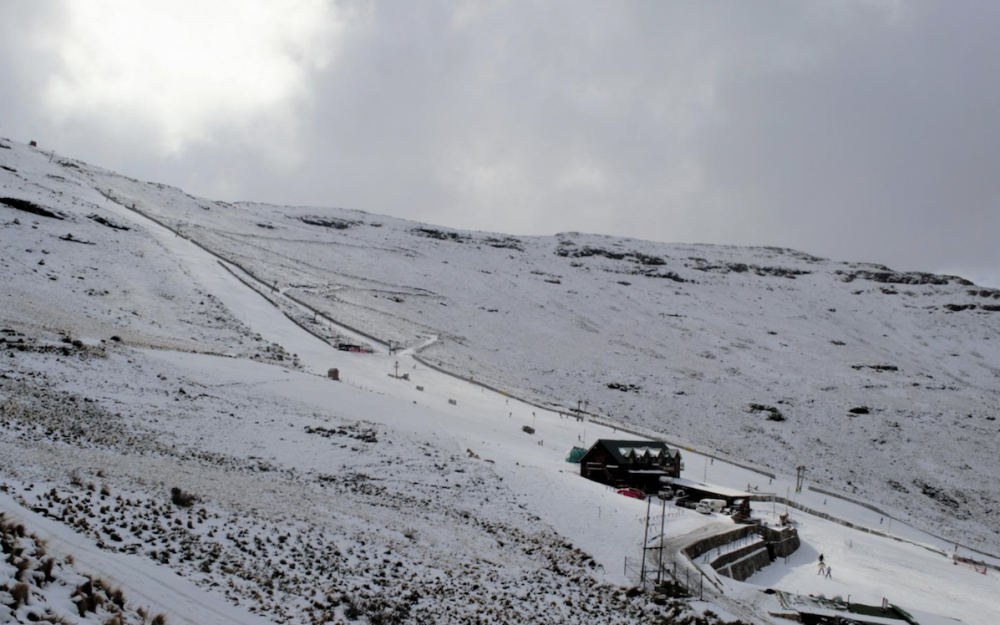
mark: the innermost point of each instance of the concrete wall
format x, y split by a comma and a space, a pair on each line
747, 565
784, 542
717, 540
741, 563
726, 559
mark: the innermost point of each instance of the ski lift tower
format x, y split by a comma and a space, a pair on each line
800, 478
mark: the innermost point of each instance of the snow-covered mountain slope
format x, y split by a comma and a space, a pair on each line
270, 488
316, 500
69, 265
883, 384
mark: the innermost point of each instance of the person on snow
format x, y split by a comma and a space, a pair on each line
821, 557
829, 571
822, 568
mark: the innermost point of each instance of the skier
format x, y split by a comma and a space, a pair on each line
829, 570
821, 557
822, 568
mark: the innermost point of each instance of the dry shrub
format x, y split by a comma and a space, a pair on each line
117, 597
46, 569
181, 498
20, 593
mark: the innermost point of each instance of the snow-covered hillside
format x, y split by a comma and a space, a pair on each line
172, 411
141, 444
882, 383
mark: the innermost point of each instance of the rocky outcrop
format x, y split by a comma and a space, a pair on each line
896, 277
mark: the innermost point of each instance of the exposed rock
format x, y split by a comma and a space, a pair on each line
69, 237
624, 387
773, 414
440, 235
107, 222
510, 243
586, 251
894, 277
30, 207
328, 222
876, 367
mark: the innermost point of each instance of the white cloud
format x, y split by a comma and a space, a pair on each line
182, 71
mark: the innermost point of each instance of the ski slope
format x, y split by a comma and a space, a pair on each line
694, 341
550, 486
481, 426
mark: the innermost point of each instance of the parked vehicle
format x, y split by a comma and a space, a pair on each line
703, 508
715, 504
528, 429
634, 493
666, 493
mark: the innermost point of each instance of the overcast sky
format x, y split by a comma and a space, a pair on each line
852, 129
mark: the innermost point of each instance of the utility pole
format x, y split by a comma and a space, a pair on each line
663, 521
397, 369
704, 480
645, 537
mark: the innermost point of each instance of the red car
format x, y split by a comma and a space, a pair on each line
634, 493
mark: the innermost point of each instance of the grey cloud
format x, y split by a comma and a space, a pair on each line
855, 130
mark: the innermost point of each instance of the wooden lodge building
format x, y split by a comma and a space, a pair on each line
636, 464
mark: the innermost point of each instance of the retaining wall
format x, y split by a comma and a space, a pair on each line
743, 562
715, 541
784, 542
751, 561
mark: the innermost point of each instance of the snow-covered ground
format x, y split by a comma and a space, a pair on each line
389, 498
154, 589
869, 569
693, 341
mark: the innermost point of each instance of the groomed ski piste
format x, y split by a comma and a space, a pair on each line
283, 418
